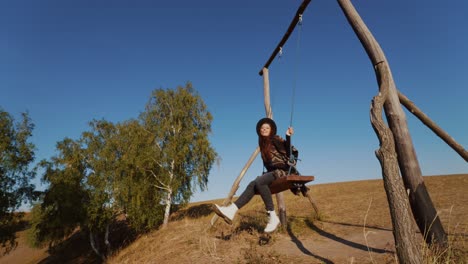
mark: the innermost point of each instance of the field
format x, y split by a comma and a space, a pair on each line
353, 226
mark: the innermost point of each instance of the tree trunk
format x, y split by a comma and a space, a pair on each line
106, 241
168, 200
93, 245
167, 210
421, 204
403, 232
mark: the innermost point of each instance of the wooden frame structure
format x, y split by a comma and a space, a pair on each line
396, 153
269, 113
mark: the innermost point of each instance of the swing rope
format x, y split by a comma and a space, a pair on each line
296, 70
292, 159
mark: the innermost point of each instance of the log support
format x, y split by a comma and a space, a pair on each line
421, 204
406, 244
412, 108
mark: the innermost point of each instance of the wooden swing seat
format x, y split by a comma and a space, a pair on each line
288, 182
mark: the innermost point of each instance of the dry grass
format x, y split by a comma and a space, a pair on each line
23, 253
354, 227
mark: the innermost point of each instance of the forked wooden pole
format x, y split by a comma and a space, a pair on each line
406, 244
421, 204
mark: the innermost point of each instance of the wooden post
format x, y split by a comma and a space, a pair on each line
433, 126
307, 194
269, 113
236, 183
421, 204
403, 232
266, 93
266, 88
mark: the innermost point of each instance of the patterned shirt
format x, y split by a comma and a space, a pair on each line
279, 154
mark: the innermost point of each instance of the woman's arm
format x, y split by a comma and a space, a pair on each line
287, 144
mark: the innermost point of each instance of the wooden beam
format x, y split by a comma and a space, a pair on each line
433, 126
285, 38
266, 93
236, 183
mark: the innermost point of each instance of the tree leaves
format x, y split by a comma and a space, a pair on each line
16, 156
139, 168
181, 123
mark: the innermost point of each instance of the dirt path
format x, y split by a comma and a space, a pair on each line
339, 243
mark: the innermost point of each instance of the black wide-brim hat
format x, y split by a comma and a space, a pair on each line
267, 121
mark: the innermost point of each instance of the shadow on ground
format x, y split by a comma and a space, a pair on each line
331, 236
77, 249
194, 212
303, 249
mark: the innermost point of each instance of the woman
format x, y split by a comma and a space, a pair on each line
275, 156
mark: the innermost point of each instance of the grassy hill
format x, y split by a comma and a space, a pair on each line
353, 226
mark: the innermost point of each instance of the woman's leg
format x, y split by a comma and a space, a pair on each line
246, 196
263, 187
228, 212
261, 184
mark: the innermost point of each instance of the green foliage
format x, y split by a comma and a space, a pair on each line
180, 124
16, 155
143, 207
63, 203
34, 237
138, 197
102, 155
138, 168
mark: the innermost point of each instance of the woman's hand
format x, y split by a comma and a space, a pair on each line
290, 131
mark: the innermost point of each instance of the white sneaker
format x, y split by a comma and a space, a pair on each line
272, 223
226, 212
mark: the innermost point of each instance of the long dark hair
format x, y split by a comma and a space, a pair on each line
265, 144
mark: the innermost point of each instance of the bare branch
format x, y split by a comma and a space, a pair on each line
164, 186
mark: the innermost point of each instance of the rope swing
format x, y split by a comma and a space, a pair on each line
293, 181
292, 159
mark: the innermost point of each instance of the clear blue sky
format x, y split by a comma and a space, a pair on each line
68, 62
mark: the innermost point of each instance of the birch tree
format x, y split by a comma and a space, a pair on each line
140, 201
102, 156
180, 123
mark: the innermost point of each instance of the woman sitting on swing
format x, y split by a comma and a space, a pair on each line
275, 153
